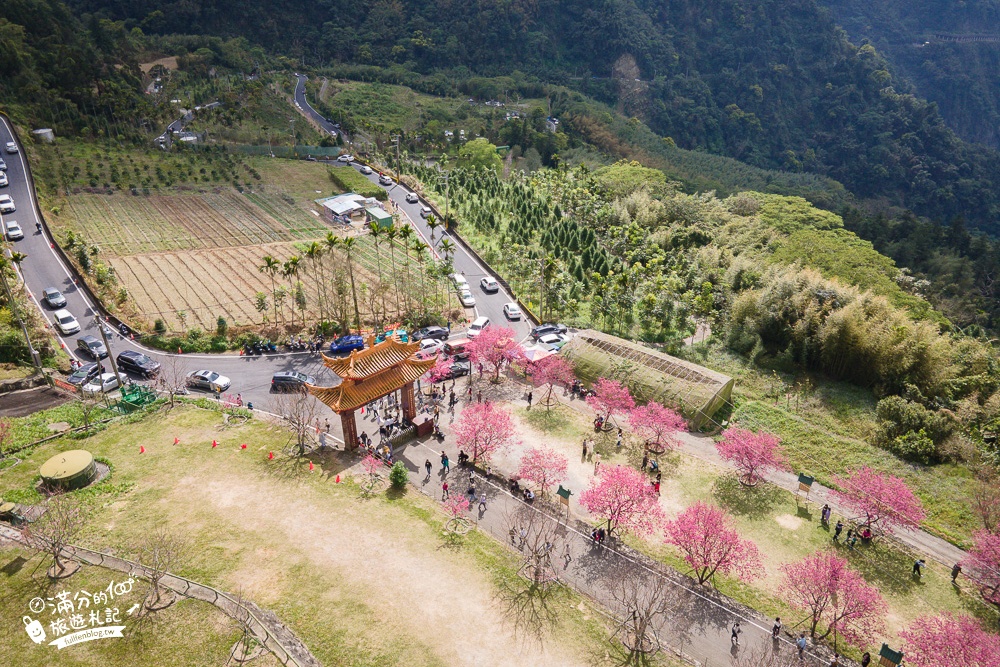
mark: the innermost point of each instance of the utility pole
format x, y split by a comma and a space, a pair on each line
396, 138
35, 357
107, 346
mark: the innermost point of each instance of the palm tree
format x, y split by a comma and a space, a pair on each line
314, 251
448, 248
290, 269
406, 237
433, 223
348, 245
391, 235
420, 249
271, 266
376, 237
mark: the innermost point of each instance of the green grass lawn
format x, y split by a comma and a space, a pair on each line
362, 582
186, 633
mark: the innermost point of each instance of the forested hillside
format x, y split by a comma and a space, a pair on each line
775, 83
950, 51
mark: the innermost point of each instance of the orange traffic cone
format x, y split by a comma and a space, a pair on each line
243, 446
215, 444
337, 481
142, 449
270, 456
177, 441
311, 466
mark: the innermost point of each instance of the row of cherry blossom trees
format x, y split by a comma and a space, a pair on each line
836, 598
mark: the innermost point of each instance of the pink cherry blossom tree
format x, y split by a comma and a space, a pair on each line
710, 544
456, 505
883, 502
441, 370
543, 466
982, 565
548, 373
484, 429
657, 424
752, 454
936, 641
835, 595
372, 466
610, 398
624, 498
496, 348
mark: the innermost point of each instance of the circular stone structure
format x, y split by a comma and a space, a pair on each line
69, 470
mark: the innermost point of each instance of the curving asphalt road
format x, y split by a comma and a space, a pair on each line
250, 376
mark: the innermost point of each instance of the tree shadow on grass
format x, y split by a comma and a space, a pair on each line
753, 502
884, 565
546, 421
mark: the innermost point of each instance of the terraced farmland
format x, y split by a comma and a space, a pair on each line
125, 225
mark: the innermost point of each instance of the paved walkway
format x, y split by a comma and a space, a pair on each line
700, 620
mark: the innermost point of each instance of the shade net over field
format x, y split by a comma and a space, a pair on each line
696, 391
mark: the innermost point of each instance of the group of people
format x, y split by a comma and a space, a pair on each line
598, 535
853, 533
579, 391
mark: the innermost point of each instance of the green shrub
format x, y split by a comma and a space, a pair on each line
221, 326
398, 475
160, 327
914, 446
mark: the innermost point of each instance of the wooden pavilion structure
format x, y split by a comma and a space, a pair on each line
369, 374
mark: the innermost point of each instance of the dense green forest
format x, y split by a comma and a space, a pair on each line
775, 84
950, 51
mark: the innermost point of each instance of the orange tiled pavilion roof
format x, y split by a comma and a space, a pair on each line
371, 373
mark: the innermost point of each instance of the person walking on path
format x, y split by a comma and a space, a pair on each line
530, 396
597, 462
866, 659
800, 644
736, 633
444, 491
837, 530
917, 564
584, 457
567, 556
824, 515
645, 461
445, 463
479, 396
618, 445
428, 466
955, 571
776, 630
482, 503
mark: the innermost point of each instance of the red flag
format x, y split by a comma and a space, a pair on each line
311, 466
243, 446
270, 456
142, 449
177, 440
214, 444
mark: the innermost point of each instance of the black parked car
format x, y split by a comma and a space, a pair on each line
138, 363
92, 347
457, 370
290, 381
437, 333
548, 328
85, 374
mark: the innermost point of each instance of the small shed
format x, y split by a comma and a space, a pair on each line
380, 217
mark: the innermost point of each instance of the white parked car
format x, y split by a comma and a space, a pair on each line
512, 311
366, 170
489, 285
426, 212
13, 230
465, 296
412, 198
208, 380
553, 341
65, 322
3, 180
460, 282
385, 180
345, 158
101, 384
7, 204
429, 347
11, 147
